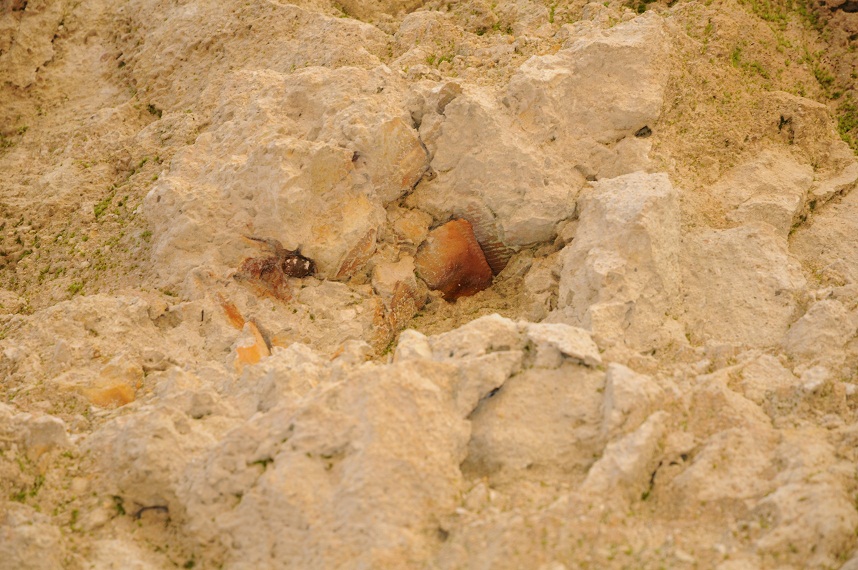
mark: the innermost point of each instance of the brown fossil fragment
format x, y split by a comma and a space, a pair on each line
451, 261
358, 256
271, 273
485, 229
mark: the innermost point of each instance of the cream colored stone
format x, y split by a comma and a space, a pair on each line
620, 275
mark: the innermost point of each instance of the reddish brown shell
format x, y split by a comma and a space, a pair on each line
451, 261
485, 229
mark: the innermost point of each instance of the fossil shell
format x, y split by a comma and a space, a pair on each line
358, 256
482, 220
255, 352
451, 261
232, 313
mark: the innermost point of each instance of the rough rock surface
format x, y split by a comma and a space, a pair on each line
231, 336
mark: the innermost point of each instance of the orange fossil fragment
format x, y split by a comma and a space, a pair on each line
451, 261
252, 354
232, 312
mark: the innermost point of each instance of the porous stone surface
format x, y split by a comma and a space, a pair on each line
425, 284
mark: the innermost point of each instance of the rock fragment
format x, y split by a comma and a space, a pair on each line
620, 275
740, 285
562, 339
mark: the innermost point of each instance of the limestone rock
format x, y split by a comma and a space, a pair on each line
28, 540
812, 522
147, 470
31, 44
620, 275
386, 275
11, 302
306, 178
765, 376
740, 285
821, 332
45, 434
771, 187
825, 244
562, 97
292, 465
629, 399
505, 440
479, 337
733, 464
540, 288
483, 164
626, 465
552, 339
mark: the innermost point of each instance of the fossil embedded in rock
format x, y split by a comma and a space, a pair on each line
482, 221
358, 256
253, 353
451, 261
272, 271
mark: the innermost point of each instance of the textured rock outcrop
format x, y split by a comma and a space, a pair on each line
406, 284
620, 276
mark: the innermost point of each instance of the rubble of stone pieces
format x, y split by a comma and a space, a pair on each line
427, 285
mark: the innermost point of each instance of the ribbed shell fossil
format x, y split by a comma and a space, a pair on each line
452, 261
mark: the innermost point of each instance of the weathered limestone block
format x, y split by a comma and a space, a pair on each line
44, 434
553, 341
740, 285
28, 540
109, 553
94, 345
430, 29
308, 159
28, 36
626, 466
387, 275
370, 10
303, 469
506, 439
36, 435
821, 332
826, 245
479, 337
629, 399
734, 464
485, 353
763, 377
142, 456
490, 174
173, 50
620, 275
540, 288
608, 85
713, 407
809, 524
770, 187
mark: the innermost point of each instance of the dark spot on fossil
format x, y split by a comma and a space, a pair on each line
271, 272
